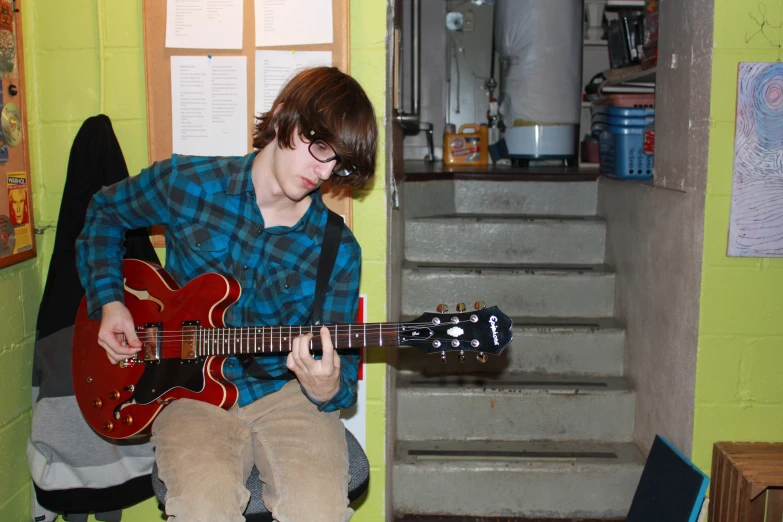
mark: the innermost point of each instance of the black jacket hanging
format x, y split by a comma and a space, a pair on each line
73, 469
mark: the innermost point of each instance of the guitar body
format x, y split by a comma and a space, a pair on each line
185, 343
122, 400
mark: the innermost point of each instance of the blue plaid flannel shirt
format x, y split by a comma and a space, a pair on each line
208, 206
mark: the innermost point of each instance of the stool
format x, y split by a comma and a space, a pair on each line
358, 468
741, 473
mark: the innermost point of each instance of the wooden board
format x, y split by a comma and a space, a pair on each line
18, 156
158, 75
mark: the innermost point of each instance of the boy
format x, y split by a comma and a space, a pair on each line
260, 219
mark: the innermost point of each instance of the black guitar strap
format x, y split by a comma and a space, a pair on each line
329, 248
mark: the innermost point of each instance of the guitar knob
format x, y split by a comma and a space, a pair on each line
442, 308
114, 395
443, 357
108, 426
127, 420
481, 357
460, 307
479, 305
97, 403
462, 356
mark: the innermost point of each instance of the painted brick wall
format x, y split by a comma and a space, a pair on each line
368, 66
84, 58
739, 389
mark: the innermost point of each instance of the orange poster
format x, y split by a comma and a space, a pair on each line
18, 229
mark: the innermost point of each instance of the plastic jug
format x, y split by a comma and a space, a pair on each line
468, 146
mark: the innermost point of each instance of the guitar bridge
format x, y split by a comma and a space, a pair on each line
151, 341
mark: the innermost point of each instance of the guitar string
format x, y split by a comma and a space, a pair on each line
217, 350
277, 341
247, 341
294, 330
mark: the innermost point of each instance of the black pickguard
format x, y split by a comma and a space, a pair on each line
160, 377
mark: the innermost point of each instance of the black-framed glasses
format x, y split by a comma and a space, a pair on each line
324, 153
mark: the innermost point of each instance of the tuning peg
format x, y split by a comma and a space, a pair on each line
443, 357
442, 308
460, 307
479, 305
481, 357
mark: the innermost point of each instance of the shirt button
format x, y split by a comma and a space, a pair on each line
259, 232
245, 267
198, 244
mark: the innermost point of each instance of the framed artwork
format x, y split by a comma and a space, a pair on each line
756, 224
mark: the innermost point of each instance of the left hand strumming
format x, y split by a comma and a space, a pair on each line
319, 377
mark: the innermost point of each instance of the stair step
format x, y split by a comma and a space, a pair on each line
515, 479
523, 407
558, 346
519, 290
505, 239
539, 198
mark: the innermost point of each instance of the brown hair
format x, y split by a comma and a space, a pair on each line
334, 106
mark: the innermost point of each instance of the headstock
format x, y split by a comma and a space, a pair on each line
484, 330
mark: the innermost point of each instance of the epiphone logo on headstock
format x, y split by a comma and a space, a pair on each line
493, 326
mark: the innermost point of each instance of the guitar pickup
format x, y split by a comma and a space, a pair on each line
151, 341
189, 336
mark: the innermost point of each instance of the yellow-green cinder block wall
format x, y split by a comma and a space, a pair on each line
739, 388
368, 66
85, 57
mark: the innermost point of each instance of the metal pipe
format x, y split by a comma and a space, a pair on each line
416, 51
410, 120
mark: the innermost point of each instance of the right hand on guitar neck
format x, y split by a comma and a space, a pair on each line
117, 334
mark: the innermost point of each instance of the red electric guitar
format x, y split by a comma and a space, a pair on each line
185, 343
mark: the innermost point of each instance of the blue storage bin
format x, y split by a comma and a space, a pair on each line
622, 116
628, 112
604, 112
629, 122
622, 153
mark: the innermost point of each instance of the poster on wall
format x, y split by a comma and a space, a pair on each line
16, 231
756, 223
7, 38
355, 419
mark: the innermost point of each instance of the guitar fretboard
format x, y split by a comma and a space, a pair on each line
279, 339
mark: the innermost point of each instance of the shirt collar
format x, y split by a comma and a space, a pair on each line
242, 175
313, 221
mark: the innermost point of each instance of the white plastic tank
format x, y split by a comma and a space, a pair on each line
540, 47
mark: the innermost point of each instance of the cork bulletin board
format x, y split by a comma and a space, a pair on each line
158, 77
17, 236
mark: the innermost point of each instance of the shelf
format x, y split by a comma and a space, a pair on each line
595, 43
633, 75
624, 5
417, 170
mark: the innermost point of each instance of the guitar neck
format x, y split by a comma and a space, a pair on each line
258, 340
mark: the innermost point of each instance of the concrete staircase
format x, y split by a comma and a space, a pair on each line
545, 429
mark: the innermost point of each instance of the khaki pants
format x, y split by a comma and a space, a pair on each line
205, 454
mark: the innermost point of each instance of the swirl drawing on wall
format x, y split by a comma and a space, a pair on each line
756, 224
